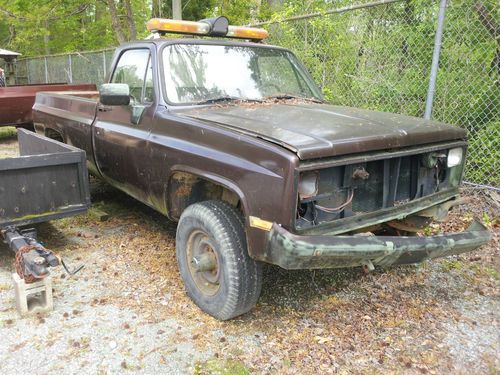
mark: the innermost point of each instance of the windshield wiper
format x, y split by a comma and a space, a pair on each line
292, 96
227, 99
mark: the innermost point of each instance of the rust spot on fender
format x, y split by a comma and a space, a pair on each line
184, 183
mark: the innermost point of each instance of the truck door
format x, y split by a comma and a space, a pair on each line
121, 132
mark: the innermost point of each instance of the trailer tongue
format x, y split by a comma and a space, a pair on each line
32, 259
47, 182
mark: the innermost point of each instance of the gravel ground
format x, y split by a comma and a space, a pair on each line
126, 311
8, 147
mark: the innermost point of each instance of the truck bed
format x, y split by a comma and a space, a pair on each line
70, 114
78, 105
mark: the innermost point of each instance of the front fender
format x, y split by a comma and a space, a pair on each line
217, 179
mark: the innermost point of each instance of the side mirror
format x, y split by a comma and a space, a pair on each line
114, 94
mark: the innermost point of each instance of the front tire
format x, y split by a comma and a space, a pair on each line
218, 274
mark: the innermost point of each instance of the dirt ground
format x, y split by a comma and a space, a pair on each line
126, 311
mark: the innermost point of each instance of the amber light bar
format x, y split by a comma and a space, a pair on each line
246, 33
210, 27
175, 26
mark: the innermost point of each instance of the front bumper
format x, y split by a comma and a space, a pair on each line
291, 251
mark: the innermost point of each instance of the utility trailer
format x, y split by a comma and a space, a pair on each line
48, 181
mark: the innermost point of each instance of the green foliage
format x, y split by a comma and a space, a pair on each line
38, 27
238, 12
485, 167
219, 367
486, 219
7, 132
191, 10
485, 271
448, 265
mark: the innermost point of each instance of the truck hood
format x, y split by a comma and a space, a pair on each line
319, 130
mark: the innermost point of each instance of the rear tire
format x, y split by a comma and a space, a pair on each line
218, 274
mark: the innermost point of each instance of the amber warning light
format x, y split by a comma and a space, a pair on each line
210, 27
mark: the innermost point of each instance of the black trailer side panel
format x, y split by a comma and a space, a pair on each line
48, 181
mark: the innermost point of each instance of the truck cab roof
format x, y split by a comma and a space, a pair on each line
162, 41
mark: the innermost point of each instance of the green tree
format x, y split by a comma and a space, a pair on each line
37, 27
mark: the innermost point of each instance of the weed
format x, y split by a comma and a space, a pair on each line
451, 264
7, 132
483, 270
215, 366
486, 219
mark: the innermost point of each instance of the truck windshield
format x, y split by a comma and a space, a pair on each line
198, 73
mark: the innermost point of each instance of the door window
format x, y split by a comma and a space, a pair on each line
134, 69
148, 84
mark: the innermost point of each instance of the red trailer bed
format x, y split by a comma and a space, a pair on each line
16, 101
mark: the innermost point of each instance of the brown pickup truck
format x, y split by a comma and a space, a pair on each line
16, 101
234, 141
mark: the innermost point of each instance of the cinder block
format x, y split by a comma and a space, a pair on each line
33, 298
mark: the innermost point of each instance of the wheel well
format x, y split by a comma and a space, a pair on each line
184, 189
54, 134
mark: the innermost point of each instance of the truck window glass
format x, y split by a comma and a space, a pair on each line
131, 69
276, 71
148, 84
196, 73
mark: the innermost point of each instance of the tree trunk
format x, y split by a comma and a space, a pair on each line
156, 9
99, 11
115, 22
130, 20
177, 9
275, 3
12, 33
487, 19
489, 24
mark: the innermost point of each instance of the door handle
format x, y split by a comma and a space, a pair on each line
104, 108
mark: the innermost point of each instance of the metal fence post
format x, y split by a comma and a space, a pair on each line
46, 70
435, 60
28, 76
104, 65
70, 69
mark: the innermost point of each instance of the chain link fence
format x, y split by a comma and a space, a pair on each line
379, 57
81, 67
376, 56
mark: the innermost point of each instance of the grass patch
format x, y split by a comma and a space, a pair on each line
217, 367
449, 265
483, 270
7, 132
